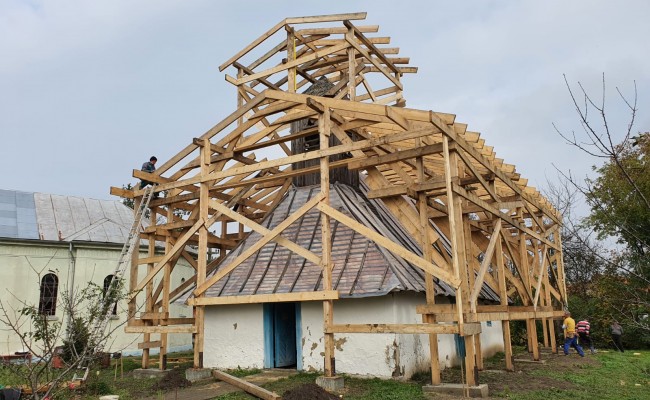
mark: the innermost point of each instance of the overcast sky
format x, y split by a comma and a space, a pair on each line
90, 89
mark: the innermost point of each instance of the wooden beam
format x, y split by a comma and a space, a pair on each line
160, 329
266, 298
393, 328
256, 391
487, 260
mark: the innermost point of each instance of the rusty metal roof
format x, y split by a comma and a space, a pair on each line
361, 267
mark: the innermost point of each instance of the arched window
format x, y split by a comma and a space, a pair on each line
49, 289
107, 284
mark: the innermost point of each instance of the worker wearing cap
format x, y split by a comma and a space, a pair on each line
570, 335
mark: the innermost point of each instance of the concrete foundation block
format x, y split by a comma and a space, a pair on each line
149, 373
456, 389
198, 374
331, 384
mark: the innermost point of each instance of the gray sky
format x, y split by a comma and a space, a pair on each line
90, 89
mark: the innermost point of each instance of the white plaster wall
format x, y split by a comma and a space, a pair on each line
21, 264
383, 355
234, 336
358, 353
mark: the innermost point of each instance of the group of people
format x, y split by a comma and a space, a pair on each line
581, 330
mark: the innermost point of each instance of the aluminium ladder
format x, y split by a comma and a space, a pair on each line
108, 302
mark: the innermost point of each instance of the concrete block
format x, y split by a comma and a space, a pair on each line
149, 373
331, 384
456, 389
198, 374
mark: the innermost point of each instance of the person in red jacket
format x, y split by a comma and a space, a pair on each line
582, 328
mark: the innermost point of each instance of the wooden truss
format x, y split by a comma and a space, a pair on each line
439, 179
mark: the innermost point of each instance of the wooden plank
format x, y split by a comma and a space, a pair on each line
326, 18
154, 315
471, 329
396, 156
487, 260
393, 328
266, 298
390, 245
246, 386
160, 329
149, 345
337, 30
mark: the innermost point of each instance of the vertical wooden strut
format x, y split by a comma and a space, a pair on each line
204, 198
328, 305
454, 207
149, 303
428, 278
503, 296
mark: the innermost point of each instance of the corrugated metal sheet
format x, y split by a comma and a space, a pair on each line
26, 215
361, 268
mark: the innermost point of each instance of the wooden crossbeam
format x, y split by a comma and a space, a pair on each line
266, 298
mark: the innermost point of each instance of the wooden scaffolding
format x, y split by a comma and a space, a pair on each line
439, 179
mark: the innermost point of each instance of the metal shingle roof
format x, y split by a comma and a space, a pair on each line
361, 267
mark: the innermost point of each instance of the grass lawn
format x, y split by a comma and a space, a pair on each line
606, 375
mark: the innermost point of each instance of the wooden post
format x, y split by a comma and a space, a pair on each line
291, 55
455, 211
428, 278
503, 296
165, 294
204, 198
352, 67
149, 303
326, 233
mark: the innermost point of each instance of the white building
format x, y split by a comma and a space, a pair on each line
50, 243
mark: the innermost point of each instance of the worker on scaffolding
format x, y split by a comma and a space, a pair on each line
150, 167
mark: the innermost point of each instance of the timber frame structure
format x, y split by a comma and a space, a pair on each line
427, 168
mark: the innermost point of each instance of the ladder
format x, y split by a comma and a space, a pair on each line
132, 242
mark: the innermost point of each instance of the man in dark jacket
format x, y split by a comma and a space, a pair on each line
149, 166
617, 332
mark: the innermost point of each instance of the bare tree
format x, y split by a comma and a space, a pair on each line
44, 338
618, 198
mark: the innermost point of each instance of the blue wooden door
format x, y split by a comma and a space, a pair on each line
284, 334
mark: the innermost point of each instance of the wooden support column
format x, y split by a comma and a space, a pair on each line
324, 131
549, 321
503, 296
204, 200
472, 263
427, 250
148, 292
454, 208
532, 334
291, 55
165, 294
352, 66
